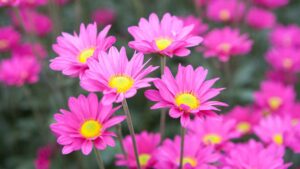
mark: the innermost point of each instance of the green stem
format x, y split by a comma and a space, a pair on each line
163, 113
120, 136
99, 159
182, 147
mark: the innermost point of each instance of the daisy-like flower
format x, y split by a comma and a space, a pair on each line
167, 37
260, 18
195, 155
115, 76
225, 43
9, 38
225, 10
147, 144
274, 97
285, 36
254, 155
199, 26
246, 118
186, 94
271, 3
85, 125
213, 130
75, 50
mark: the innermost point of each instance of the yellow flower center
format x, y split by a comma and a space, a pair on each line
189, 160
121, 82
224, 15
295, 122
275, 102
188, 99
287, 63
225, 47
163, 43
243, 127
212, 139
278, 139
3, 44
90, 129
144, 158
85, 54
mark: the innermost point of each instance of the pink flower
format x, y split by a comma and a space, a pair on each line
225, 43
167, 37
42, 160
214, 130
85, 125
74, 50
195, 156
186, 94
115, 76
17, 71
147, 144
271, 3
199, 26
293, 137
28, 49
274, 97
9, 38
285, 36
246, 118
260, 18
287, 78
33, 3
225, 10
254, 155
9, 3
104, 17
284, 59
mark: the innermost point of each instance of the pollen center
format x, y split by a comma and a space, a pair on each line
287, 63
278, 139
121, 83
163, 43
275, 102
225, 47
224, 15
212, 139
90, 129
187, 99
85, 54
144, 158
3, 44
243, 127
189, 160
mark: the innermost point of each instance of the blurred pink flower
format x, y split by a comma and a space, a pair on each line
284, 77
75, 50
104, 17
199, 26
225, 43
225, 10
271, 3
115, 76
147, 144
9, 38
43, 160
167, 37
186, 94
85, 125
285, 36
293, 137
29, 49
17, 71
260, 18
33, 3
9, 3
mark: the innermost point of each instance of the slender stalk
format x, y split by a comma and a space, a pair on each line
99, 159
163, 112
182, 147
131, 130
120, 136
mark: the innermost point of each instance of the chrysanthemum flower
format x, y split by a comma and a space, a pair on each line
9, 38
104, 17
17, 71
254, 155
271, 3
186, 94
199, 26
115, 76
274, 97
167, 37
260, 18
285, 36
246, 118
195, 156
225, 10
225, 43
214, 130
85, 125
147, 144
74, 50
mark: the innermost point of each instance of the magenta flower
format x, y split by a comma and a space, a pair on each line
167, 37
115, 76
199, 26
74, 50
271, 3
33, 3
29, 49
104, 17
260, 18
6, 3
43, 160
186, 94
85, 125
9, 38
284, 77
293, 137
225, 10
285, 36
195, 156
147, 144
17, 71
254, 155
225, 43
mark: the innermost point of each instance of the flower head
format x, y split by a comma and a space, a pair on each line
85, 125
285, 36
186, 94
167, 37
9, 38
43, 160
75, 50
271, 3
104, 17
260, 18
